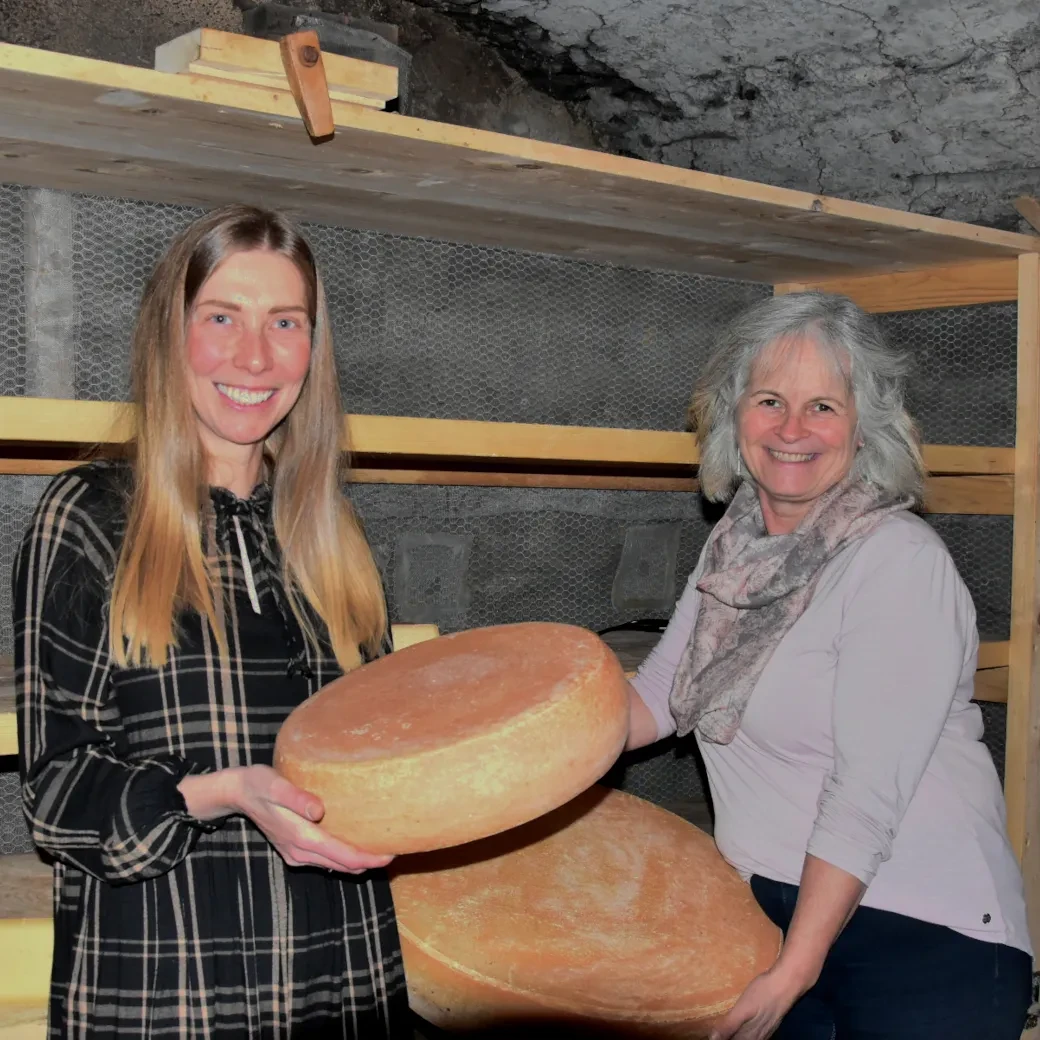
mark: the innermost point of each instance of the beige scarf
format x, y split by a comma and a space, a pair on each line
754, 587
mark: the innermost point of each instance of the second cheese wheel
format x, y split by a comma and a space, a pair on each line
460, 737
607, 917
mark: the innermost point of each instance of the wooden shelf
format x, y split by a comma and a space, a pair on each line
42, 421
84, 125
26, 941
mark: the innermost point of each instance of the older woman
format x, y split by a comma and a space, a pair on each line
823, 653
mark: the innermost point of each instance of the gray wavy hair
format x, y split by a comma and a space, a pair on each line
890, 457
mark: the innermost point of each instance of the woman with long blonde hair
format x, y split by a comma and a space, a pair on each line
170, 611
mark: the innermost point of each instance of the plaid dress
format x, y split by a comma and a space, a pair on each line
166, 926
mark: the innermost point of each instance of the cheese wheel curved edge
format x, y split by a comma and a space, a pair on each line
480, 954
482, 784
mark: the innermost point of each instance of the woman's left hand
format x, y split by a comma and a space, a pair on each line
760, 1009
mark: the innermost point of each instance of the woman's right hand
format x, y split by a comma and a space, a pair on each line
285, 814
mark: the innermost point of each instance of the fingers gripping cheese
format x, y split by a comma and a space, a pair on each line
460, 737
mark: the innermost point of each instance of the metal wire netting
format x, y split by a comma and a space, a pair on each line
431, 328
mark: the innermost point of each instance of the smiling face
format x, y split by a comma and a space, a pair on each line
796, 429
248, 353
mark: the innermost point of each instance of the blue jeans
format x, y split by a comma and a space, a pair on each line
891, 977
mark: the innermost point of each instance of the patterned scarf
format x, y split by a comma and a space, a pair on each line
754, 588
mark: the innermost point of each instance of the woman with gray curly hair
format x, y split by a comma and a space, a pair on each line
824, 653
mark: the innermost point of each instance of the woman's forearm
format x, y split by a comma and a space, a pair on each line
211, 795
827, 898
642, 726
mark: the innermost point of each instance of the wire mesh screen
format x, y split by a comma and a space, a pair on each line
430, 328
962, 389
14, 835
12, 291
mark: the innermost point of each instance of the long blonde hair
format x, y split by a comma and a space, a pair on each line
161, 569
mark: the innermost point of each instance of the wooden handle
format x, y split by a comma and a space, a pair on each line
301, 57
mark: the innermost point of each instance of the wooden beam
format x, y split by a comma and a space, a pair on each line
983, 496
84, 125
991, 684
1021, 767
1029, 208
576, 481
236, 56
30, 420
957, 285
957, 459
993, 655
8, 719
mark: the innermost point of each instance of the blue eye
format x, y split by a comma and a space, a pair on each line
219, 319
286, 323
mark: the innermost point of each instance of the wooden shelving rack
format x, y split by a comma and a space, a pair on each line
81, 125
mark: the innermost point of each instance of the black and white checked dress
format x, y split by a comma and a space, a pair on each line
165, 926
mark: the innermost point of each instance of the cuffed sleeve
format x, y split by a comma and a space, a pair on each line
901, 651
88, 801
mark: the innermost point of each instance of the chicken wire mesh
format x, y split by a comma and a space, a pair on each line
430, 328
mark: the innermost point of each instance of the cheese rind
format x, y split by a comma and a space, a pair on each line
460, 737
608, 913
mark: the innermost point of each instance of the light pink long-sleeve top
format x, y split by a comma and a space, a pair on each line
860, 744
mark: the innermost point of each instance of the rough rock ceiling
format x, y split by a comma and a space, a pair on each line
930, 105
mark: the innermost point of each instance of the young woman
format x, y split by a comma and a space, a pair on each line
169, 614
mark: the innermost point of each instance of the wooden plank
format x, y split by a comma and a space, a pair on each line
957, 459
260, 79
464, 478
984, 496
23, 1020
215, 52
957, 285
993, 654
1021, 768
991, 684
26, 948
33, 420
8, 718
80, 124
1029, 208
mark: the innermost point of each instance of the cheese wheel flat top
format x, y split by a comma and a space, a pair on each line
608, 907
443, 692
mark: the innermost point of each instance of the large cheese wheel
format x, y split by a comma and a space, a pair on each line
609, 915
459, 737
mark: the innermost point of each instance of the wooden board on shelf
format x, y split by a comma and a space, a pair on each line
993, 654
247, 59
956, 285
80, 124
991, 684
983, 496
8, 721
39, 421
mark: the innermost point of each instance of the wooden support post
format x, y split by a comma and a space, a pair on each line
1029, 208
1021, 773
